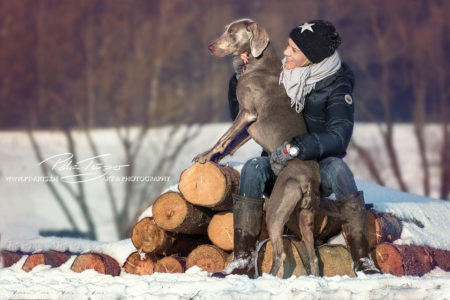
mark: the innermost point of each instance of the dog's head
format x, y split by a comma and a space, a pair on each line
241, 36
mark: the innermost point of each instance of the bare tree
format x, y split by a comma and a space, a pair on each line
122, 86
420, 51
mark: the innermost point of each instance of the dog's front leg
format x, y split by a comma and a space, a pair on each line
242, 121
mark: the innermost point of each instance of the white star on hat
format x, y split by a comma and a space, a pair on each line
306, 26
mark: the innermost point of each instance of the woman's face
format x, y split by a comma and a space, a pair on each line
294, 56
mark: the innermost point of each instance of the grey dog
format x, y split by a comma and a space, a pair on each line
265, 115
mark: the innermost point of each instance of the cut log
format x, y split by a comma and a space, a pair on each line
172, 213
208, 257
441, 258
209, 185
149, 238
335, 260
221, 232
99, 262
292, 265
229, 259
135, 264
185, 243
9, 258
402, 260
171, 264
51, 258
383, 227
264, 233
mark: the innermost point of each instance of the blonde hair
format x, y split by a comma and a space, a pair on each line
307, 63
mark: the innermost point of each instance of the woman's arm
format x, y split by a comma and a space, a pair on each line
339, 128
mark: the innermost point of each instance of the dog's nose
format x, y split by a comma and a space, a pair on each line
211, 47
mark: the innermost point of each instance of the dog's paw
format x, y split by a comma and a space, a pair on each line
202, 157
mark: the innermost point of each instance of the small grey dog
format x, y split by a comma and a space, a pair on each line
265, 115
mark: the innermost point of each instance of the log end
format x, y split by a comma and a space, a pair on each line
135, 265
147, 237
221, 231
32, 261
208, 257
335, 260
292, 265
170, 210
203, 184
389, 260
171, 264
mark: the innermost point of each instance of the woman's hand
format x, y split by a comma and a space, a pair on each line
279, 158
244, 57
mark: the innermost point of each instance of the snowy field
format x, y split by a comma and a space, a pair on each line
61, 283
26, 208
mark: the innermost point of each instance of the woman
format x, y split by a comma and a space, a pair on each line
320, 86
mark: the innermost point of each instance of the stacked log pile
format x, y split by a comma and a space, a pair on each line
195, 228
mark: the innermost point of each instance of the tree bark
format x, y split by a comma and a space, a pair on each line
383, 227
402, 260
441, 258
9, 258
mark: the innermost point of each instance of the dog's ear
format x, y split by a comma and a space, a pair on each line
259, 39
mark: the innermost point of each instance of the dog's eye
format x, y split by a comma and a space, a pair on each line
230, 31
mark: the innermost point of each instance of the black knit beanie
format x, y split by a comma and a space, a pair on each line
317, 39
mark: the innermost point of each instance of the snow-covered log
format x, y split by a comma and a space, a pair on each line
51, 258
99, 262
383, 227
402, 260
9, 258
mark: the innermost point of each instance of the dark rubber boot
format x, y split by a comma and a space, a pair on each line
247, 220
356, 230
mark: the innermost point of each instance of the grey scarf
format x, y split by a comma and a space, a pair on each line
299, 82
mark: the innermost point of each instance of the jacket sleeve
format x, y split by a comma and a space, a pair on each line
333, 141
233, 102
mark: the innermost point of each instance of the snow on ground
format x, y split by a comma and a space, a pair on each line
61, 283
27, 207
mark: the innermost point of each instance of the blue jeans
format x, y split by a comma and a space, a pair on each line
257, 178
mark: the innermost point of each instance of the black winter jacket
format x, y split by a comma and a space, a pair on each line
328, 114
